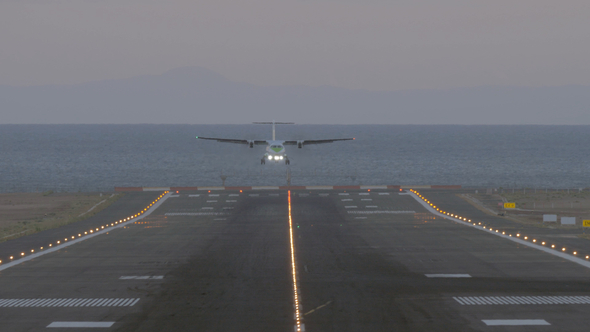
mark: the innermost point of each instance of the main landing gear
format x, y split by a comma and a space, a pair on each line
262, 161
287, 162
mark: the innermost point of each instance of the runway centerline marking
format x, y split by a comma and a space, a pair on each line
514, 322
211, 201
141, 277
366, 199
80, 324
343, 194
346, 199
194, 195
350, 207
298, 326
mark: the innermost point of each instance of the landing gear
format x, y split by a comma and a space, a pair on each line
262, 161
287, 162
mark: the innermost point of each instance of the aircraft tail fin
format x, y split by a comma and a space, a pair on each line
273, 123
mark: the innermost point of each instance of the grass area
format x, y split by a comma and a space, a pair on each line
28, 213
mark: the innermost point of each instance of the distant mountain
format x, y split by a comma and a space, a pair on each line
196, 95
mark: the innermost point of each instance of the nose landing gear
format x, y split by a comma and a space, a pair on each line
262, 161
287, 162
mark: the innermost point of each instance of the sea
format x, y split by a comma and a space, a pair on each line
96, 158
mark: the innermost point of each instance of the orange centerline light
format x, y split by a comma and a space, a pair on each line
294, 270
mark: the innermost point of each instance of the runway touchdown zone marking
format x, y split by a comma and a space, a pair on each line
80, 324
514, 322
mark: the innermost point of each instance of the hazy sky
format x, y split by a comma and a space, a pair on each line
369, 44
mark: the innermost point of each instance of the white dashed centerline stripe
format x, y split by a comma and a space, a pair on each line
80, 324
233, 195
212, 201
447, 275
514, 322
350, 207
383, 193
194, 195
343, 194
141, 277
371, 206
346, 199
231, 201
206, 208
366, 199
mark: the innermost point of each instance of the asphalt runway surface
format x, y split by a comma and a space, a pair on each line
221, 261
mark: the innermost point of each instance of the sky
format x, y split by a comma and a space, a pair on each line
375, 45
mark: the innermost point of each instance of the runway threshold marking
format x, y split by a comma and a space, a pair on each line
514, 322
69, 302
80, 324
298, 326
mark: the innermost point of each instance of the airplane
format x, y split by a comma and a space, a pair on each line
275, 149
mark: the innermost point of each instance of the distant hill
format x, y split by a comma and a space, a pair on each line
195, 95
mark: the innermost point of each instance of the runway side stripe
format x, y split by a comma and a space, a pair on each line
514, 239
75, 302
86, 237
521, 300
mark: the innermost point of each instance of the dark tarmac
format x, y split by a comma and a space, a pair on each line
366, 261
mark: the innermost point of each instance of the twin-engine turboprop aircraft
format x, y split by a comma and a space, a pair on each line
275, 149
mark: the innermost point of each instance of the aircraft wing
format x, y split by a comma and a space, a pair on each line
231, 140
316, 141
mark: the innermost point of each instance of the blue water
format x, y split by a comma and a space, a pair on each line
100, 157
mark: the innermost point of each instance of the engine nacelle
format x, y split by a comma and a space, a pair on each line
300, 144
251, 144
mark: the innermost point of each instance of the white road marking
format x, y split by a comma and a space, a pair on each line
324, 194
383, 193
174, 195
504, 300
228, 207
220, 219
343, 194
89, 236
346, 199
514, 322
81, 324
76, 302
211, 201
447, 275
194, 213
381, 212
231, 201
360, 217
197, 195
213, 195
371, 206
253, 195
364, 194
366, 199
234, 195
206, 208
140, 277
350, 207
507, 237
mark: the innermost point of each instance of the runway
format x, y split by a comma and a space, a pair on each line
365, 260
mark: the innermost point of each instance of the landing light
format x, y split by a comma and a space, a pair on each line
269, 157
